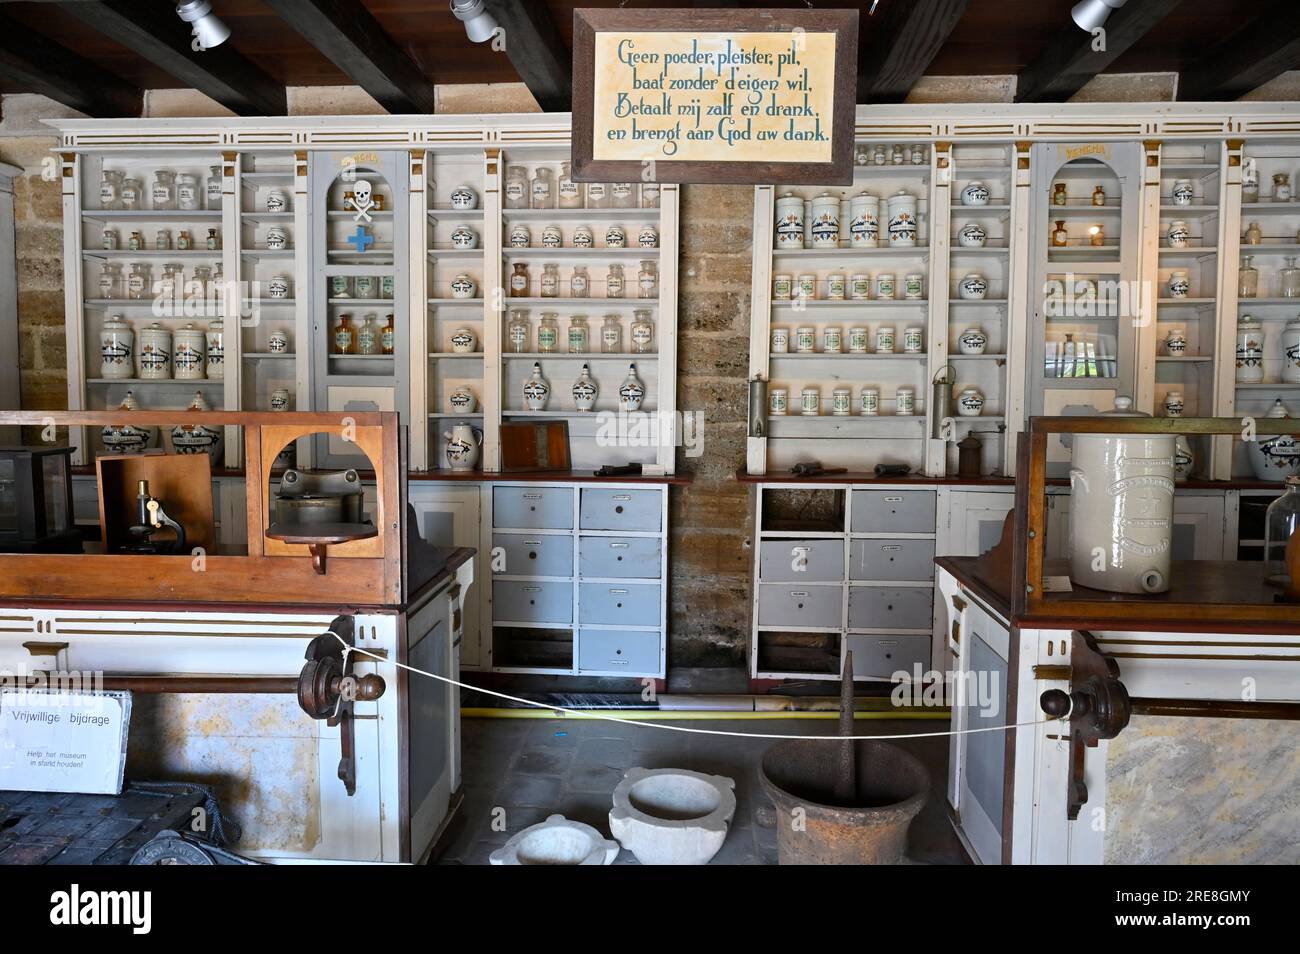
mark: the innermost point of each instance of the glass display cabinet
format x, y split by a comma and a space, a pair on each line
36, 501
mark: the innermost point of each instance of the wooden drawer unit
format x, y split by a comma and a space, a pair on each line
534, 554
892, 511
619, 604
886, 560
619, 652
638, 558
879, 657
785, 604
884, 607
532, 508
515, 601
629, 511
797, 561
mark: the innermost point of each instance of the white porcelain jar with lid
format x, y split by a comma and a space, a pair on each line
789, 222
585, 390
1182, 193
864, 222
1291, 351
970, 402
902, 219
116, 348
631, 392
1179, 284
1176, 342
216, 347
826, 221
189, 353
155, 350
537, 390
1250, 351
1277, 456
464, 198
127, 438
972, 235
1121, 508
975, 194
973, 287
972, 341
196, 438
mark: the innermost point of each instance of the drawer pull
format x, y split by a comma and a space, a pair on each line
893, 500
532, 543
886, 548
618, 546
618, 592
798, 592
532, 589
532, 496
621, 497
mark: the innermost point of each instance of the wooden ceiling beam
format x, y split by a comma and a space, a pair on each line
1259, 52
537, 51
1069, 60
348, 34
901, 40
39, 65
154, 32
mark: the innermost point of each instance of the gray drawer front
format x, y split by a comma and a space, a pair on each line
893, 511
619, 604
882, 656
611, 509
632, 557
518, 602
881, 607
823, 561
891, 560
784, 604
620, 651
535, 554
541, 508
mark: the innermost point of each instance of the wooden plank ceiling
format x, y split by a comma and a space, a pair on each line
96, 55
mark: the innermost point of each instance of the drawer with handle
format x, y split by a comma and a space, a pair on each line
618, 651
619, 604
797, 561
618, 557
891, 560
879, 657
532, 508
893, 511
521, 554
884, 607
611, 509
515, 601
786, 604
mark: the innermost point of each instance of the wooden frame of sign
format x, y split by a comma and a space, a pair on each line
806, 27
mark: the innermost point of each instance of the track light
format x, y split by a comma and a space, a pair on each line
1091, 14
207, 27
479, 24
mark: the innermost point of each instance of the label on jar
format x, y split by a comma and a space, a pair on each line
366, 338
641, 335
541, 190
578, 339
106, 286
516, 189
107, 193
611, 338
614, 286
518, 282
912, 340
579, 285
343, 339
161, 194
550, 285
547, 339
387, 340
188, 196
596, 192
365, 285
518, 337
135, 285
649, 286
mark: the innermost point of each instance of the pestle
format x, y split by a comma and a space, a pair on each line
846, 771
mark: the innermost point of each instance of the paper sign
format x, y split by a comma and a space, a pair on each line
63, 741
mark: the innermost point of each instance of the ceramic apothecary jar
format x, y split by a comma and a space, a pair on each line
1176, 342
537, 390
1179, 235
970, 403
631, 392
116, 349
464, 238
216, 346
189, 355
1180, 284
155, 348
973, 341
463, 341
826, 221
973, 287
464, 444
197, 438
1250, 351
789, 222
975, 194
585, 390
1291, 352
463, 198
463, 286
128, 438
902, 219
972, 235
1277, 456
864, 224
1122, 508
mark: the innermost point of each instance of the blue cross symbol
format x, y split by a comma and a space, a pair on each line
361, 239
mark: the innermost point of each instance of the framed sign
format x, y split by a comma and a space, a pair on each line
714, 95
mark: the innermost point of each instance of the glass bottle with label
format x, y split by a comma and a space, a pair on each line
649, 195
579, 335
1247, 279
614, 284
135, 243
548, 333
622, 195
162, 240
110, 240
516, 187
213, 191
570, 192
519, 280
183, 241
647, 280
188, 198
611, 335
214, 240
387, 335
580, 282
598, 195
110, 190
1281, 521
164, 191
643, 331
200, 282
542, 188
517, 331
110, 280
550, 281
1290, 278
343, 337
132, 195
139, 283
368, 335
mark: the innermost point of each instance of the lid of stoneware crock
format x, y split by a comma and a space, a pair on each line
1124, 408
1277, 410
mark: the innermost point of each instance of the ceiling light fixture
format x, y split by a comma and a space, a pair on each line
207, 27
479, 24
1091, 14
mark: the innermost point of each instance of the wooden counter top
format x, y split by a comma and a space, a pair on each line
475, 476
868, 477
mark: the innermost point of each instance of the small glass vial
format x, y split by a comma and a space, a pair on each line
542, 188
550, 281
132, 195
110, 240
548, 333
519, 280
214, 240
387, 335
164, 191
135, 243
1060, 194
162, 240
598, 195
1099, 196
580, 282
368, 335
1253, 235
213, 192
614, 283
518, 329
918, 154
200, 282
1281, 520
183, 241
643, 331
569, 192
647, 280
878, 155
516, 187
896, 156
579, 335
139, 283
344, 338
1060, 237
1282, 187
1247, 279
611, 335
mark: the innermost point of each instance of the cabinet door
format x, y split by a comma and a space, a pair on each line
975, 522
1198, 527
985, 643
449, 517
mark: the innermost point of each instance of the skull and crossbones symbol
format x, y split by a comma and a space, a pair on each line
363, 200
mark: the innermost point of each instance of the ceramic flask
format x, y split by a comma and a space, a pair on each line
584, 390
631, 392
1121, 508
464, 444
197, 438
537, 390
1275, 457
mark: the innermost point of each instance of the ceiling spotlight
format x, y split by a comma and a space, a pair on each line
1091, 14
209, 30
479, 24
